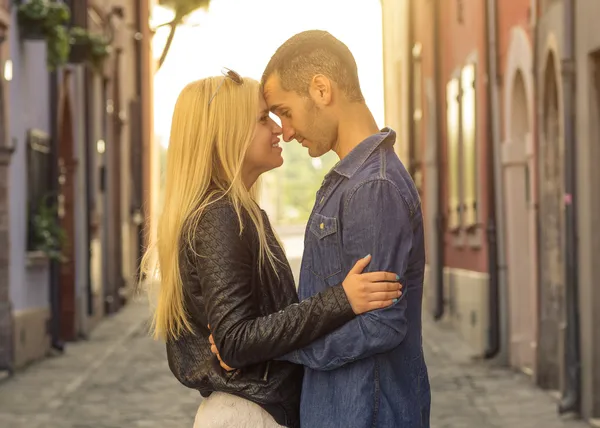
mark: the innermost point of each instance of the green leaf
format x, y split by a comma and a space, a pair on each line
48, 236
184, 7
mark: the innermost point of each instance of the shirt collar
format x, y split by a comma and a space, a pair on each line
357, 157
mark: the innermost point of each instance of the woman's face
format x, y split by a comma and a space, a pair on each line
264, 153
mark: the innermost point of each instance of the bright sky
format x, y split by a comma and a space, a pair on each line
243, 34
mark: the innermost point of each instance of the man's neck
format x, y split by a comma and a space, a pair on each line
356, 125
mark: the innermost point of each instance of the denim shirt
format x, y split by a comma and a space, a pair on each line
370, 372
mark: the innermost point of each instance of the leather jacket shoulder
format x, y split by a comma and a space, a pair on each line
253, 313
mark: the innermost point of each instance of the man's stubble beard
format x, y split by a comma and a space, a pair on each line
322, 140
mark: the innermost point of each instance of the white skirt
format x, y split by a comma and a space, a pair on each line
222, 410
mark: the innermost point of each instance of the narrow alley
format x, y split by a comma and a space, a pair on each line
120, 378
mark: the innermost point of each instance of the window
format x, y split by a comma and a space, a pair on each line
469, 150
596, 80
462, 150
39, 172
453, 129
416, 155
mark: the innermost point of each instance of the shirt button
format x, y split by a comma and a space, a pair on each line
322, 226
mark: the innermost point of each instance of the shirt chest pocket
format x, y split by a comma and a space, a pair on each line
326, 254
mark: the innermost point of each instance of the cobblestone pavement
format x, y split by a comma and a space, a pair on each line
467, 393
119, 378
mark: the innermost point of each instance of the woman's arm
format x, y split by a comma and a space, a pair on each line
223, 272
224, 266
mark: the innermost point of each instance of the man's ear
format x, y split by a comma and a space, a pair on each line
320, 90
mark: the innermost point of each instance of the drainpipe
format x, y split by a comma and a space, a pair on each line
439, 102
411, 82
498, 328
571, 394
137, 210
79, 17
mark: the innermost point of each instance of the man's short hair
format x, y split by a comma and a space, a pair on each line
310, 53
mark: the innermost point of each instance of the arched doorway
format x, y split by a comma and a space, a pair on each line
518, 209
551, 228
66, 198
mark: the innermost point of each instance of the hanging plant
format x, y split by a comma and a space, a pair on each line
88, 47
46, 20
100, 50
58, 14
57, 47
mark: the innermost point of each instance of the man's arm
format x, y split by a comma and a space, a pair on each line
376, 221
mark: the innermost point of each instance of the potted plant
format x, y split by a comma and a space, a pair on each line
89, 47
46, 20
32, 18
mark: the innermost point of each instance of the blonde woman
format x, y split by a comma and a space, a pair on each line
221, 265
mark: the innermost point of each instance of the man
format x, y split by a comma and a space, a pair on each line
370, 372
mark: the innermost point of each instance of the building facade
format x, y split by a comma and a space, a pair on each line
587, 66
435, 68
497, 103
30, 189
78, 134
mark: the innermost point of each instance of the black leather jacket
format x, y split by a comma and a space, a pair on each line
254, 316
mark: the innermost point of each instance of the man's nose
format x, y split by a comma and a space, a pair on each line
288, 133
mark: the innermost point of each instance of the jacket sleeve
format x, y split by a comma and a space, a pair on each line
377, 221
224, 272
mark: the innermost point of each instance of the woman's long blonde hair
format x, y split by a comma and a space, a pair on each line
206, 151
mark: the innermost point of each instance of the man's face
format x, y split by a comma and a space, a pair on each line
303, 118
